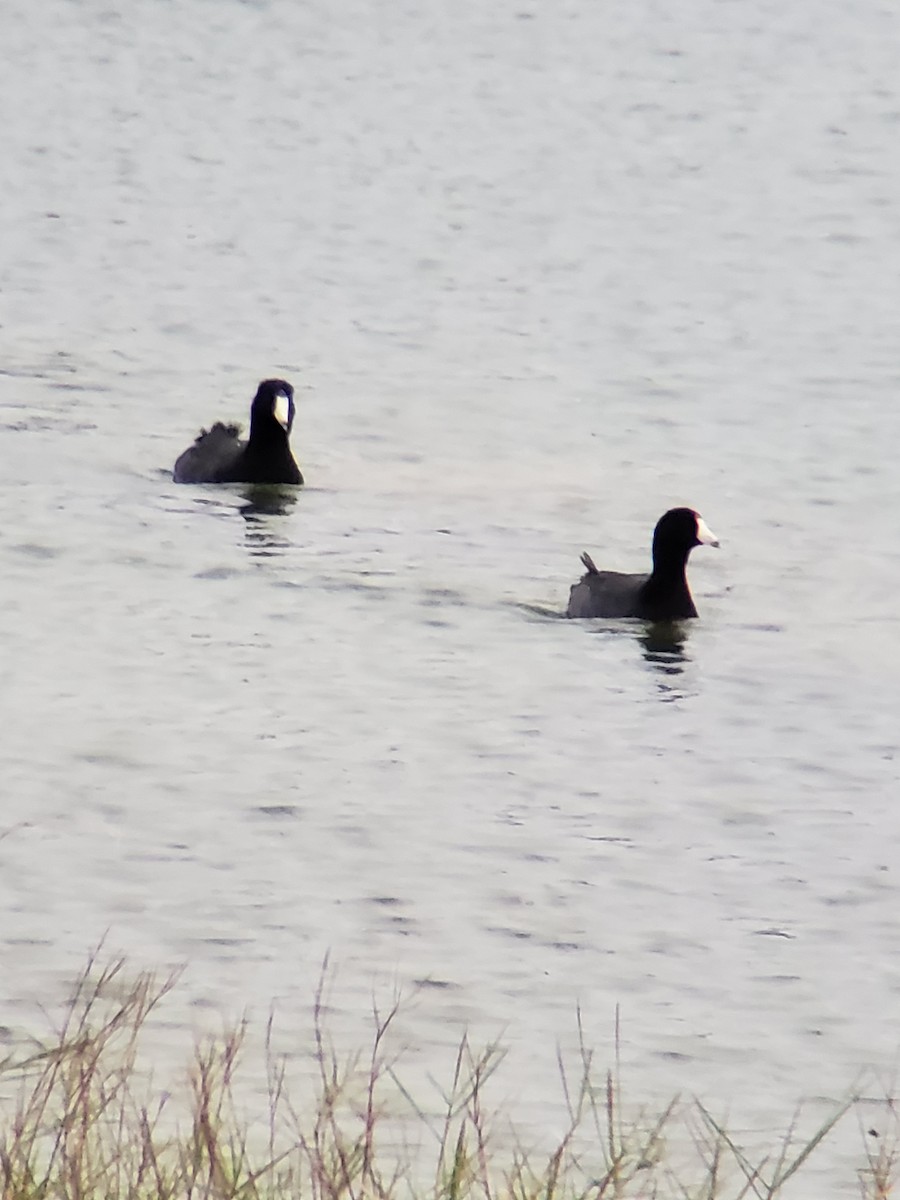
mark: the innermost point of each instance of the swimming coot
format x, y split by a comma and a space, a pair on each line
663, 595
219, 456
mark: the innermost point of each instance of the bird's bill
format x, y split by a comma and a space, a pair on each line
705, 535
282, 410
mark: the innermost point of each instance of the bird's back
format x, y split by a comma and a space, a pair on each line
606, 593
212, 457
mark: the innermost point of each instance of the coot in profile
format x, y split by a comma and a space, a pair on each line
663, 595
219, 456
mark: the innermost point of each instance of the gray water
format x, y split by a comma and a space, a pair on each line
538, 272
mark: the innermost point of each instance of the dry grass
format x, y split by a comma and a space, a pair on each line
90, 1124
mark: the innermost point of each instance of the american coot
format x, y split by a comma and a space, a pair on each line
663, 595
219, 456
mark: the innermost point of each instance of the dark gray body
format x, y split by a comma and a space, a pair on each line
612, 594
213, 457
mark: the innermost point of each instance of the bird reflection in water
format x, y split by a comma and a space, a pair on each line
261, 503
663, 645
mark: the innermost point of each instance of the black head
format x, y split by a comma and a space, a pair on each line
274, 401
677, 532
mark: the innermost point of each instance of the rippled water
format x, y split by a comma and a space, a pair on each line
537, 272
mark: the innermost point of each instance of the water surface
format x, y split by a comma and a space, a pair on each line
538, 273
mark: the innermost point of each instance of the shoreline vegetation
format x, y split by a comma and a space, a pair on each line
89, 1122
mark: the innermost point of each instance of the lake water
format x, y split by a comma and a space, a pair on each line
537, 272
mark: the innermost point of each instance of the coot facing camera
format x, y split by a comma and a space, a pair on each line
220, 456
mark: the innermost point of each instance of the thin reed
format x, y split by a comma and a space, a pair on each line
90, 1123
